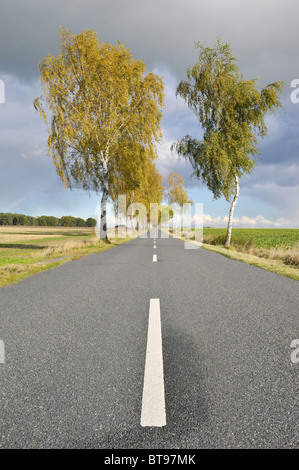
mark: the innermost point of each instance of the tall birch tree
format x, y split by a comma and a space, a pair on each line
231, 112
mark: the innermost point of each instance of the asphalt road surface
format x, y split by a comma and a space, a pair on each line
76, 346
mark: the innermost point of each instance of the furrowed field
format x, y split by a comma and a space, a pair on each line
29, 250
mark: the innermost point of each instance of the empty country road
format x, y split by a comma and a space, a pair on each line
87, 343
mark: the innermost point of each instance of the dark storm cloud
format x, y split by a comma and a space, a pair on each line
161, 32
264, 36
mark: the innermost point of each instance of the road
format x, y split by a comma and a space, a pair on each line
76, 345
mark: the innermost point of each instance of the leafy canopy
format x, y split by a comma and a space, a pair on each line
176, 194
231, 112
103, 107
148, 190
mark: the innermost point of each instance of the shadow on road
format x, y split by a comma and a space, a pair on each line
186, 410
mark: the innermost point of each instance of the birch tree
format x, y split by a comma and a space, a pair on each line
231, 112
176, 194
101, 105
146, 189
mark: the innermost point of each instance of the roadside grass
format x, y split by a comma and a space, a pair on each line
29, 250
275, 250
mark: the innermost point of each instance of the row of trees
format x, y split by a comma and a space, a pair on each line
8, 218
104, 115
104, 120
152, 191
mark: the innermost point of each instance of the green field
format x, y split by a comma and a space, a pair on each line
255, 237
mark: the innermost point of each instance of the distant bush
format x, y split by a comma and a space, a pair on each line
90, 222
8, 218
80, 222
47, 221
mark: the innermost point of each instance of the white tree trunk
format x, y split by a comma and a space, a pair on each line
105, 195
231, 213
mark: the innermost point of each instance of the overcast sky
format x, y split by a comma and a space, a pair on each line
264, 35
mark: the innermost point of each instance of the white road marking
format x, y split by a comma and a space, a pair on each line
155, 246
154, 258
153, 411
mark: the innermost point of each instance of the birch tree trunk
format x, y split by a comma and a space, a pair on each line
105, 195
231, 213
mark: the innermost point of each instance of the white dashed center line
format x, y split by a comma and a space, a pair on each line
153, 411
154, 258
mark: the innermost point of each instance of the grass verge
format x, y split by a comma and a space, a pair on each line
26, 251
277, 259
273, 265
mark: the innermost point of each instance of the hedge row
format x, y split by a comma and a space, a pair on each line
7, 218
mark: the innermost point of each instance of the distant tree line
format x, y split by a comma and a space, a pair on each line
8, 218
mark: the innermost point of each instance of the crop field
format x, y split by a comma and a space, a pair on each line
271, 244
29, 250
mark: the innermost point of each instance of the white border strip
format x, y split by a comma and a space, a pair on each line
153, 399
